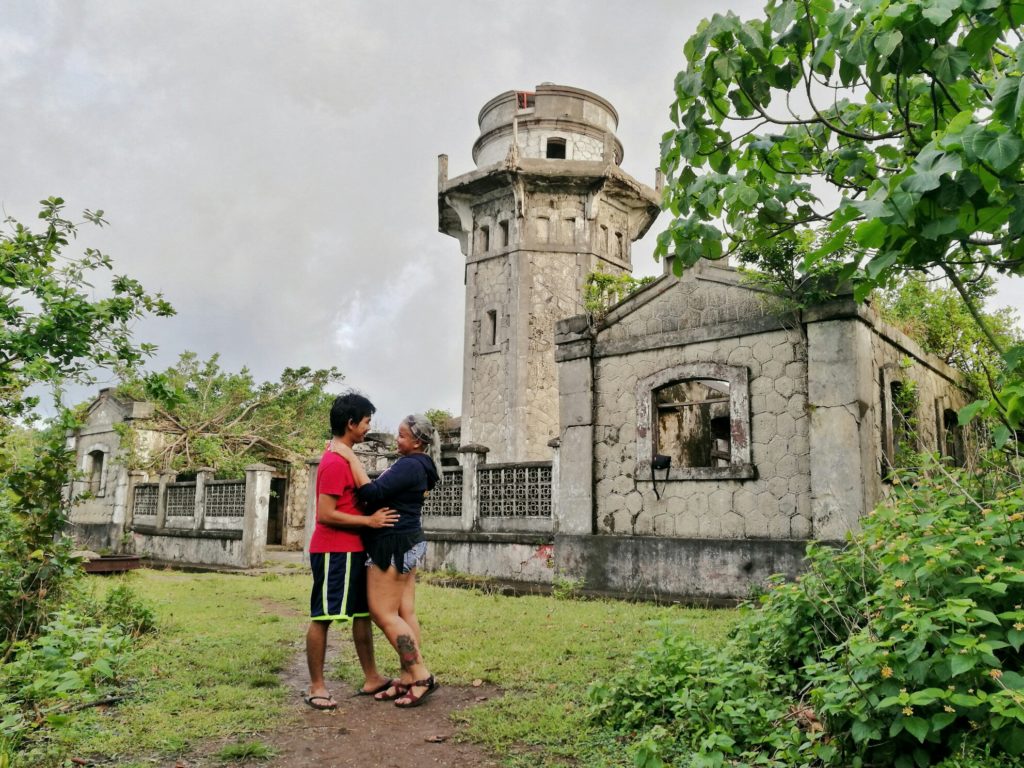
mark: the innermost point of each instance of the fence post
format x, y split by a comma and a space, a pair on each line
203, 476
161, 499
257, 509
314, 464
135, 476
554, 444
473, 456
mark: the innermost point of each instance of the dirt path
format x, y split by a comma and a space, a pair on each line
362, 733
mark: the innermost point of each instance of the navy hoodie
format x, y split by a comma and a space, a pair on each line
402, 486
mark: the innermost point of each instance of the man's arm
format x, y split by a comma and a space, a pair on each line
358, 472
328, 514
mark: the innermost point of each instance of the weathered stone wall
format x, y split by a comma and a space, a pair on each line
774, 505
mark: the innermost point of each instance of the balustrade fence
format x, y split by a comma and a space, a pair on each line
202, 521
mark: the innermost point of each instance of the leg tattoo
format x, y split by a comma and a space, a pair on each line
407, 652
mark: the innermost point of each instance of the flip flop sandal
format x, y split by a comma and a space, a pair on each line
379, 689
400, 690
412, 699
322, 703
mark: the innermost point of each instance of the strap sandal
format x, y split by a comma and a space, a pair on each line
379, 689
410, 699
395, 690
323, 703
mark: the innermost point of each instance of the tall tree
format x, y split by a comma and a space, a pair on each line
52, 330
892, 130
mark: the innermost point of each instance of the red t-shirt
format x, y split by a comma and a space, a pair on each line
334, 477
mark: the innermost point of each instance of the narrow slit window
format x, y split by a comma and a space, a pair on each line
492, 327
953, 438
620, 250
503, 233
96, 473
483, 239
556, 149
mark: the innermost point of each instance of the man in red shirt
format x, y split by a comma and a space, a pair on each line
337, 558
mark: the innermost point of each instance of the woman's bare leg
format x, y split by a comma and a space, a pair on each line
407, 609
385, 590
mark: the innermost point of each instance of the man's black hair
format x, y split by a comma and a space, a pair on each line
349, 407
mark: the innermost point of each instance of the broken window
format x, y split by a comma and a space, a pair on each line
693, 423
900, 427
952, 442
698, 415
556, 149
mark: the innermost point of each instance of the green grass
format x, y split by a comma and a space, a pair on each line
245, 750
211, 670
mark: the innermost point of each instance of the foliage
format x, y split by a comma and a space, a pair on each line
603, 289
211, 417
779, 269
52, 328
904, 646
909, 116
936, 318
441, 419
73, 663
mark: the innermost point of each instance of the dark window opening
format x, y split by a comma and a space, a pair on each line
503, 229
483, 240
602, 243
492, 327
619, 245
953, 438
693, 423
556, 149
96, 472
525, 99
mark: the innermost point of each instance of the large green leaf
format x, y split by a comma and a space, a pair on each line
999, 150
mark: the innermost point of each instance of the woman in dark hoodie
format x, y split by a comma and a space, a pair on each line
393, 554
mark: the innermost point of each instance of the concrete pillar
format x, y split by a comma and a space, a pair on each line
203, 476
574, 494
257, 509
161, 498
840, 393
135, 477
472, 457
313, 465
554, 444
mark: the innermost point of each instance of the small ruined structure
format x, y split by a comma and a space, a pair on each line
195, 519
689, 443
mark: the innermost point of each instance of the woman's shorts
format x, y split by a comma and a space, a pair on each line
411, 558
339, 586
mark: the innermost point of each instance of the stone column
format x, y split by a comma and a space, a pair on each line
554, 444
840, 393
257, 509
135, 477
203, 476
161, 498
473, 456
313, 465
575, 489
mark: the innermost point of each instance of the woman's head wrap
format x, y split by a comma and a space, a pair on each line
421, 428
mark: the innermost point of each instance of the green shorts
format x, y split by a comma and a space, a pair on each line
339, 586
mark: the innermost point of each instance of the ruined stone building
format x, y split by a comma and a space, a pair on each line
769, 428
117, 435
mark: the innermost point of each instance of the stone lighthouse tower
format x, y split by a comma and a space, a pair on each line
546, 206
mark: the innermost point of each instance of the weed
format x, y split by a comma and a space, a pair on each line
249, 750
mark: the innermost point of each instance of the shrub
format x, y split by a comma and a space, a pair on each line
902, 648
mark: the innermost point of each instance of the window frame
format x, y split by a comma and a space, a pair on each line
738, 378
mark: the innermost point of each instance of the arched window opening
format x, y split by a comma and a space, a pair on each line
556, 149
95, 473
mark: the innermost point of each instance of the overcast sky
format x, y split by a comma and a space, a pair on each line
272, 166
